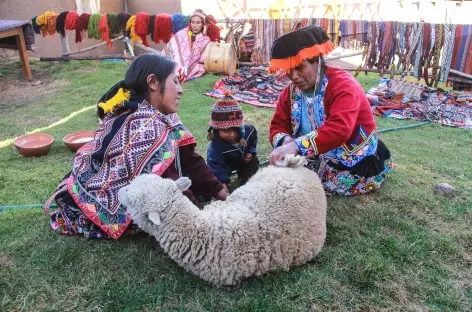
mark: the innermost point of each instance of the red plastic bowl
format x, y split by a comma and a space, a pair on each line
76, 140
36, 144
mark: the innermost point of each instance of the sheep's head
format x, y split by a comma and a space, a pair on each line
149, 196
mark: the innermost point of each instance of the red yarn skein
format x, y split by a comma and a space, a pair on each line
142, 26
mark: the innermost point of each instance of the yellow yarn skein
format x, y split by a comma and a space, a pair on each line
131, 26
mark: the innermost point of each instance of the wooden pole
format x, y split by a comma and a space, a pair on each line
91, 47
461, 74
142, 46
77, 58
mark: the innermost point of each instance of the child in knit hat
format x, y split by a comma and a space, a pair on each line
233, 144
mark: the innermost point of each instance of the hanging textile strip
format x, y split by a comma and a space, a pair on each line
385, 46
401, 43
394, 50
373, 40
437, 55
429, 54
407, 35
353, 34
424, 57
416, 32
449, 36
465, 64
368, 45
418, 52
468, 62
333, 31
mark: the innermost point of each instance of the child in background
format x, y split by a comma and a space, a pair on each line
233, 144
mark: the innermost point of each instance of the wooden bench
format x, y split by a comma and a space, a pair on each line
17, 32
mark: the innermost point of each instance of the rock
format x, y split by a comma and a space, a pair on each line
36, 83
444, 189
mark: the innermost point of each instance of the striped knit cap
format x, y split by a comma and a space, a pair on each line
226, 113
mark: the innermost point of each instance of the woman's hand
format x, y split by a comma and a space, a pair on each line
287, 140
278, 154
223, 193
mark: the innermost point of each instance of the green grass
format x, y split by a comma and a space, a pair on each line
402, 248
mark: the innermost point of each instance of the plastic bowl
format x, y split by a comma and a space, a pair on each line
36, 144
76, 140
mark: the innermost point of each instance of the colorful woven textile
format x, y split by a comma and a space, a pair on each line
94, 185
413, 101
252, 85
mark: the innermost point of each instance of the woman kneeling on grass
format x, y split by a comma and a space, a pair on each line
324, 115
140, 133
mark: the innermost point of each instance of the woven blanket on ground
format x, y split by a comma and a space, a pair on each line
252, 85
449, 108
10, 42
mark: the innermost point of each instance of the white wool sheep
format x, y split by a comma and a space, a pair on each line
277, 220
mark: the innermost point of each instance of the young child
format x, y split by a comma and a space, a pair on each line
233, 144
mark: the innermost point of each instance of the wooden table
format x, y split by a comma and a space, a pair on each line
17, 32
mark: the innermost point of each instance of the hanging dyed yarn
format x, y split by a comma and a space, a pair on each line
81, 27
114, 25
141, 26
92, 29
51, 27
71, 20
35, 26
162, 28
60, 23
213, 31
179, 22
130, 26
42, 22
103, 29
124, 17
152, 20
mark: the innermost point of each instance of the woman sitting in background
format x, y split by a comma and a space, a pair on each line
187, 46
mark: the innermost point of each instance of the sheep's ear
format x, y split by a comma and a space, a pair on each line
183, 183
154, 217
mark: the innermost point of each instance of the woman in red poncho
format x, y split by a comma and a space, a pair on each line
324, 115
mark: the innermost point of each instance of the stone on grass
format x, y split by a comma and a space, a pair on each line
444, 189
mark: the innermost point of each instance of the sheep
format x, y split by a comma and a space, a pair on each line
277, 220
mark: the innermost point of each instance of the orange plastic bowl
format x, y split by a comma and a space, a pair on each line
36, 144
76, 140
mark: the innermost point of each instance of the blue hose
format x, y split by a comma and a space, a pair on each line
262, 164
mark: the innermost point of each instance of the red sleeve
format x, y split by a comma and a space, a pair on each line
344, 105
281, 120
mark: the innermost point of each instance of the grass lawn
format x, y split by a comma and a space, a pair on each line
402, 248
